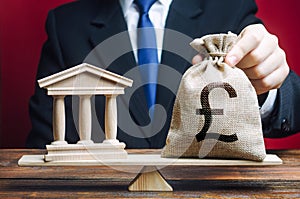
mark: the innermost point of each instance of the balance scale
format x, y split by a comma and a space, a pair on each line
149, 178
86, 80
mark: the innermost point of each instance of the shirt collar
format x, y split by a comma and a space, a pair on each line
125, 4
165, 2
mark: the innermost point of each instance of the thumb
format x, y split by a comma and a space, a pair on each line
197, 59
232, 57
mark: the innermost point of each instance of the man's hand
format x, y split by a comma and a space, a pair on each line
258, 54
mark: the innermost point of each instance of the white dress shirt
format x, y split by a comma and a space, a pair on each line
158, 14
268, 106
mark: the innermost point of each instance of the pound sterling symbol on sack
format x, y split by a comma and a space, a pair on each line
208, 112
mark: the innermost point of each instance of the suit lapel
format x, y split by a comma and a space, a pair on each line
108, 34
111, 33
182, 26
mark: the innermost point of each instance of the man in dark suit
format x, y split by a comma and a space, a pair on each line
75, 29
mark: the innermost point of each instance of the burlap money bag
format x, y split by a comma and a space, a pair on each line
216, 112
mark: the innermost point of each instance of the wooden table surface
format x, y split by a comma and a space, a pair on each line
279, 181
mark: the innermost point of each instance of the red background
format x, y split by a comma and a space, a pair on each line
22, 35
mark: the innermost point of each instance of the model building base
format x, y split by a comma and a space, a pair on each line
85, 151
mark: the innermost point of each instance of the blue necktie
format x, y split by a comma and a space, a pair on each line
147, 52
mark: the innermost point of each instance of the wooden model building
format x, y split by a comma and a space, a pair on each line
84, 81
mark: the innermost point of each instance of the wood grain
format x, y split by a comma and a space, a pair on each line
149, 179
280, 181
144, 160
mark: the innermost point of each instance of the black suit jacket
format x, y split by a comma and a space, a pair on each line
75, 29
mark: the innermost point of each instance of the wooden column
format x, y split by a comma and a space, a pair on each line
111, 119
85, 119
58, 120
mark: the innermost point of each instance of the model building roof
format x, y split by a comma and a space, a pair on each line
85, 79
